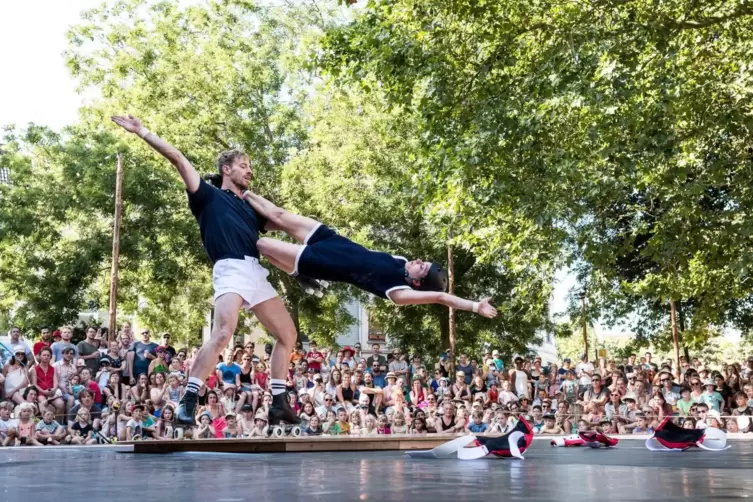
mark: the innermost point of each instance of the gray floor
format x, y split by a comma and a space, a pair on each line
579, 474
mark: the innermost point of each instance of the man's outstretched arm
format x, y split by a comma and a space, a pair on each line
189, 175
413, 297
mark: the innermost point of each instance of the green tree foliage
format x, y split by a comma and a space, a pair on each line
363, 174
625, 123
207, 78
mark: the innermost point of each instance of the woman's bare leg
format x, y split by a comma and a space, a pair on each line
280, 254
297, 226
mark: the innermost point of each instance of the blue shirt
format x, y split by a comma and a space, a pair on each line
228, 225
482, 427
713, 400
379, 380
140, 362
331, 257
229, 372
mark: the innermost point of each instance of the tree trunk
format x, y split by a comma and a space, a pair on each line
113, 311
585, 328
451, 317
675, 337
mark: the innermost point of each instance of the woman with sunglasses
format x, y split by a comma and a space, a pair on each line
249, 390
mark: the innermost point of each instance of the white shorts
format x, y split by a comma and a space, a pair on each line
246, 278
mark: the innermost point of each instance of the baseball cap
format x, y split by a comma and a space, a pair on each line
246, 408
495, 352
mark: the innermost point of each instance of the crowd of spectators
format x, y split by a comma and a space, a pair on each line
55, 392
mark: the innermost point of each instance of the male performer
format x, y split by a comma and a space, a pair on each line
328, 256
229, 231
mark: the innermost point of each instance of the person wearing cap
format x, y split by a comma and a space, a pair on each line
714, 419
16, 375
324, 255
347, 353
390, 387
550, 425
231, 427
563, 371
710, 396
15, 339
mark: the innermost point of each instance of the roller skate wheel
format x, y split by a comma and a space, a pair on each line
178, 434
278, 432
136, 437
324, 284
266, 432
295, 431
319, 294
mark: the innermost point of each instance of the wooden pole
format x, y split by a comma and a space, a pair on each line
112, 326
585, 327
675, 337
451, 290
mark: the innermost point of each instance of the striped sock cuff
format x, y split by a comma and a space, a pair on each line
194, 384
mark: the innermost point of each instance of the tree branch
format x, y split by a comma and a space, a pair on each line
741, 11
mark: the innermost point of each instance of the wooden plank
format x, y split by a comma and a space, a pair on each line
300, 444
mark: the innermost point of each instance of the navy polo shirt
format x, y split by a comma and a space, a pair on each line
332, 257
229, 226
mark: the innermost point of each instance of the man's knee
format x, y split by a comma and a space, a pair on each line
221, 335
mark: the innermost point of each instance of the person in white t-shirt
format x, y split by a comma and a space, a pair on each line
8, 426
11, 341
585, 371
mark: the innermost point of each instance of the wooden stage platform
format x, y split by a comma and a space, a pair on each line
290, 444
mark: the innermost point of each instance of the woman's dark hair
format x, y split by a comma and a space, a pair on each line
46, 349
29, 389
224, 159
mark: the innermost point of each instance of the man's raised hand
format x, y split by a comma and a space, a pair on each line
485, 309
129, 123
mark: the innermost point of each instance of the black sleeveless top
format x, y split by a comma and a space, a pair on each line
347, 394
246, 377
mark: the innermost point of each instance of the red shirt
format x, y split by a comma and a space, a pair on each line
44, 380
493, 395
261, 379
39, 346
315, 364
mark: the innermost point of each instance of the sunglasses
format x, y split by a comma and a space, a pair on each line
328, 400
664, 380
